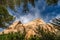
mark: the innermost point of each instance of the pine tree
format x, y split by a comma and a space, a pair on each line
5, 17
12, 4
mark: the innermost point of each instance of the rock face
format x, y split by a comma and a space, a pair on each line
31, 28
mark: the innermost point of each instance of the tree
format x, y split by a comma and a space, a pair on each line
12, 4
51, 2
5, 17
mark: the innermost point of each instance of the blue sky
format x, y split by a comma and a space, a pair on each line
41, 10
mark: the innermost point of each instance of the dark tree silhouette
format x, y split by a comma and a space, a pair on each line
12, 4
51, 2
5, 17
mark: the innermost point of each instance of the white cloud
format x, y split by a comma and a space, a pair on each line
28, 17
58, 16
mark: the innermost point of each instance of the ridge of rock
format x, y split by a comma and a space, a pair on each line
30, 28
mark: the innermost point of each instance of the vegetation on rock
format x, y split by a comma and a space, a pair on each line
19, 36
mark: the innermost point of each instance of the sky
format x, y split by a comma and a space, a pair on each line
41, 10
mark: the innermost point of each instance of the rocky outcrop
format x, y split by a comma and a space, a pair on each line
31, 28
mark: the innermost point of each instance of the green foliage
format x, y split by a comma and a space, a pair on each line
5, 17
18, 2
2, 2
11, 4
51, 2
32, 2
57, 38
12, 36
46, 36
14, 3
35, 38
25, 6
21, 36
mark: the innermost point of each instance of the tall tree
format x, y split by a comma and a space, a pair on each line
5, 17
12, 4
